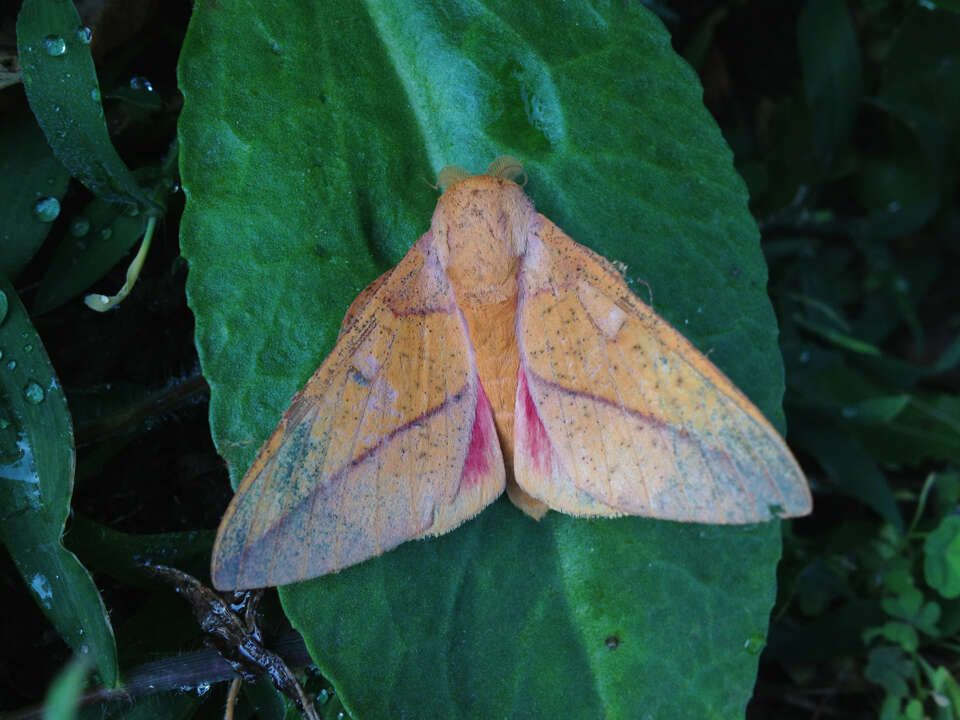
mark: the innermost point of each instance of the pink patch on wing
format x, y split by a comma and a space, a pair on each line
531, 434
481, 452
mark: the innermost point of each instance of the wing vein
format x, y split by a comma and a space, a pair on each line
594, 406
353, 445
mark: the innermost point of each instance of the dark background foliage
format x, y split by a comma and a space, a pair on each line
844, 118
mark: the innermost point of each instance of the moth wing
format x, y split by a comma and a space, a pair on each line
617, 413
391, 439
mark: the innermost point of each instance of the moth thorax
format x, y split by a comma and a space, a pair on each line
483, 221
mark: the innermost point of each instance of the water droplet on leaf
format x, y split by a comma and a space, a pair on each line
4, 304
79, 227
46, 209
84, 35
754, 644
54, 45
33, 392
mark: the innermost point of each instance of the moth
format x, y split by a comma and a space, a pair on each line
498, 354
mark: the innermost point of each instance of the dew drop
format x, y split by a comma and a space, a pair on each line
46, 209
4, 305
28, 348
612, 642
4, 423
12, 365
80, 227
54, 45
106, 233
41, 587
84, 34
754, 644
95, 94
132, 211
33, 392
203, 688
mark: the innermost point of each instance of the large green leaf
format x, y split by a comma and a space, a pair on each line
36, 484
307, 134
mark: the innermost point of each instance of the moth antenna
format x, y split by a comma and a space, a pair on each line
508, 168
451, 174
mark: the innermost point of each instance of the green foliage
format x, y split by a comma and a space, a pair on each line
36, 482
31, 178
60, 81
859, 244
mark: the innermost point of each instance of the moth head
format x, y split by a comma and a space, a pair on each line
488, 210
504, 166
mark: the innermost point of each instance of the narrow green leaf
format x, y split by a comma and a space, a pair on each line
30, 178
877, 410
64, 94
64, 693
122, 555
927, 429
294, 204
832, 75
36, 483
837, 338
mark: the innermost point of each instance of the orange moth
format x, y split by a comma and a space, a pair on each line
499, 354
